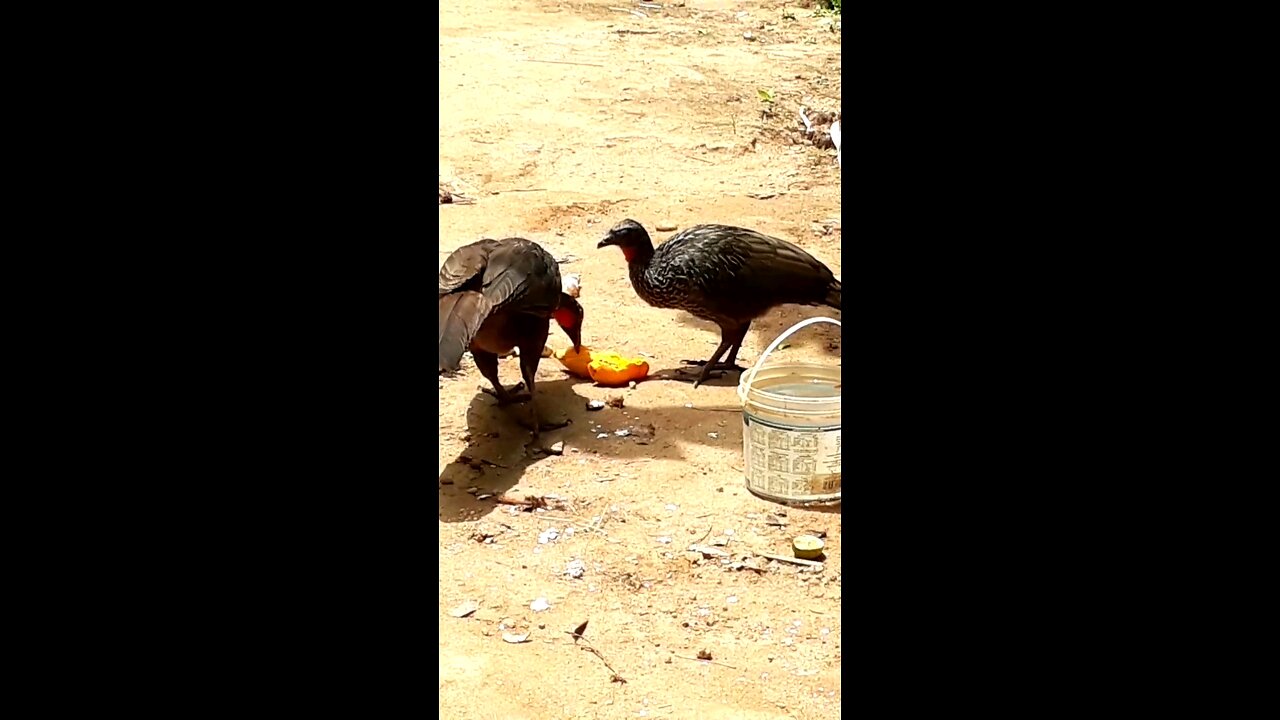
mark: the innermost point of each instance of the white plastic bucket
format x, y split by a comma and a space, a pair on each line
791, 428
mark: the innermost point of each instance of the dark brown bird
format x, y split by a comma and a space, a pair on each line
496, 295
728, 275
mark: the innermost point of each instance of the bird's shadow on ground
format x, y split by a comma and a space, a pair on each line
689, 373
498, 450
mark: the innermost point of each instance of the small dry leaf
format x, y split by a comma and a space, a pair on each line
708, 551
514, 639
465, 609
579, 631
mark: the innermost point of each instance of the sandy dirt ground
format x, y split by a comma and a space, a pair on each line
557, 120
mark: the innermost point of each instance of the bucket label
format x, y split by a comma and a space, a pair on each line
791, 463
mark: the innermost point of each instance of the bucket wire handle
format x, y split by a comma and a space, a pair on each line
745, 386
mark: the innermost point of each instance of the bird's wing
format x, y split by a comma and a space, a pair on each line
522, 272
461, 315
759, 268
465, 264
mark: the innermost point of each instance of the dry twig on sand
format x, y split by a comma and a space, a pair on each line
577, 634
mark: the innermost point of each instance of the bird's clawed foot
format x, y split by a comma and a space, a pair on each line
507, 396
703, 372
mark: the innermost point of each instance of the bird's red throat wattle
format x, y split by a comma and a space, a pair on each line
565, 317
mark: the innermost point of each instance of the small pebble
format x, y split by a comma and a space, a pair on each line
575, 568
602, 435
556, 449
539, 605
714, 436
666, 226
732, 599
595, 405
748, 36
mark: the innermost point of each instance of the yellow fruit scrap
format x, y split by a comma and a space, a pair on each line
807, 547
605, 368
576, 362
615, 370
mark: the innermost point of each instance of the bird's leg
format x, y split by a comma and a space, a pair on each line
735, 336
730, 339
709, 367
730, 362
487, 363
530, 355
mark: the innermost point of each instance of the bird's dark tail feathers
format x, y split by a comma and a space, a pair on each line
833, 295
461, 315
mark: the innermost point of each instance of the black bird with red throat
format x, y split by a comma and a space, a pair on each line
499, 295
728, 275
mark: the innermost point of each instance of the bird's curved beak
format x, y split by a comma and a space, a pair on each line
569, 318
607, 241
575, 336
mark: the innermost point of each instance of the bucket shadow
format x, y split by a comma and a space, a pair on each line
832, 509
